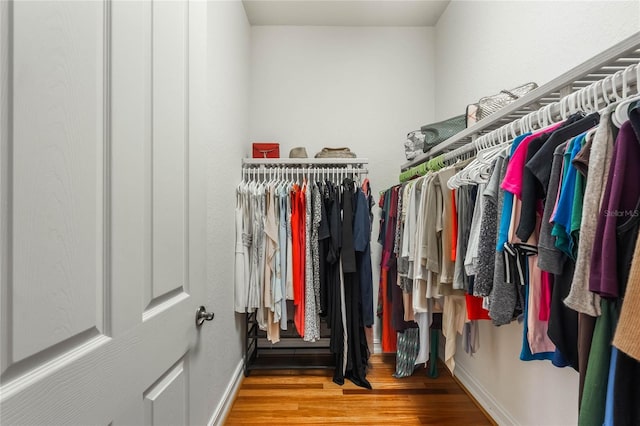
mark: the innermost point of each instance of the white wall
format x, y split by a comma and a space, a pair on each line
227, 116
361, 87
485, 46
482, 47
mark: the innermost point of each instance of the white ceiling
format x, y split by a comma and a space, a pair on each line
345, 12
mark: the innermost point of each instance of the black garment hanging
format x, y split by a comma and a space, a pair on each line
626, 410
469, 280
334, 304
362, 244
324, 242
358, 351
563, 321
532, 191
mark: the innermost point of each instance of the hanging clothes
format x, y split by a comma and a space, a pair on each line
241, 260
358, 350
617, 230
362, 245
542, 229
386, 237
307, 243
270, 273
312, 316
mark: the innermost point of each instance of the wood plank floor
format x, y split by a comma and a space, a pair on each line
310, 397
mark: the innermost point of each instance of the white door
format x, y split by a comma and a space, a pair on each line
101, 188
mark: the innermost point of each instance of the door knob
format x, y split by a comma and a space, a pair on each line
202, 315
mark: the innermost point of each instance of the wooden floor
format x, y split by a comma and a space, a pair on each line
310, 397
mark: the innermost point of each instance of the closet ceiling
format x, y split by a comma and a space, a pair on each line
345, 13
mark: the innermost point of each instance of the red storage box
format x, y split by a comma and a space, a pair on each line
266, 150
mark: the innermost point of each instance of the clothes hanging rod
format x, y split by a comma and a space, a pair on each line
623, 84
303, 170
608, 62
589, 99
255, 162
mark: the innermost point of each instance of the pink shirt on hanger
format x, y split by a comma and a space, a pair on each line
512, 181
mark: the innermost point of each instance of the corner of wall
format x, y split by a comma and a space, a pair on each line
227, 93
221, 412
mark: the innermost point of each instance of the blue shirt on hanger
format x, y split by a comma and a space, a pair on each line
562, 218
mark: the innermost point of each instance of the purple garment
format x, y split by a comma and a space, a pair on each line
618, 205
390, 235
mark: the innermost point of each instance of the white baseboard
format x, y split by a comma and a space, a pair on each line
377, 346
222, 410
499, 413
